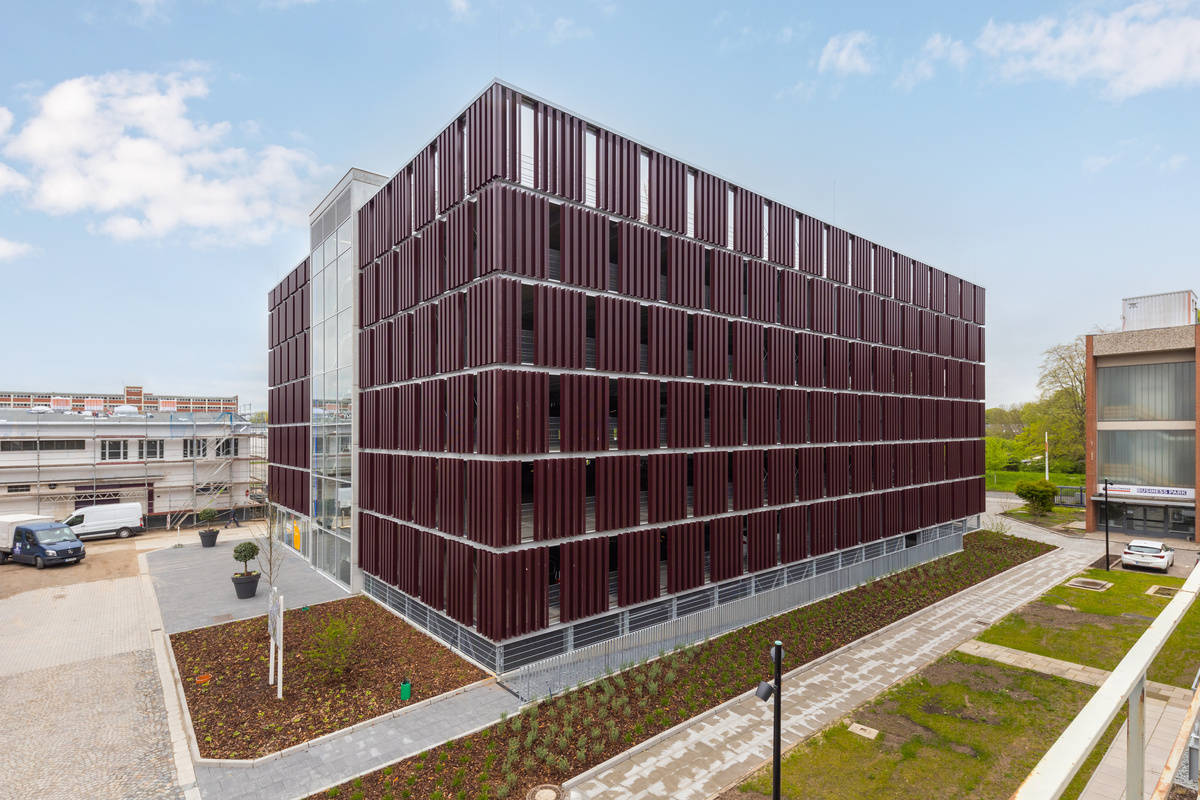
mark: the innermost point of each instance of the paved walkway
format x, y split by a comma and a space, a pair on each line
1163, 721
333, 761
1175, 695
200, 592
78, 681
718, 750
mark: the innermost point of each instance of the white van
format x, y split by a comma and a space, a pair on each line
116, 519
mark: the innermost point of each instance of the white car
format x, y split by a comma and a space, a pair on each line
1144, 553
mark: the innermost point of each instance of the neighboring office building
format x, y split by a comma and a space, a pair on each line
107, 403
598, 389
172, 463
1141, 418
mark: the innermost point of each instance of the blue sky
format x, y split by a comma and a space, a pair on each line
158, 158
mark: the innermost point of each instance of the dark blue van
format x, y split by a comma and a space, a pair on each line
45, 543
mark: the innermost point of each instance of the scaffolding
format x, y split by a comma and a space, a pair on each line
219, 442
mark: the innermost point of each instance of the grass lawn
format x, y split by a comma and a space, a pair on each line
1059, 515
1100, 627
556, 739
1001, 481
235, 714
963, 727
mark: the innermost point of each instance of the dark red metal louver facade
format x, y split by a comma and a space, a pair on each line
579, 393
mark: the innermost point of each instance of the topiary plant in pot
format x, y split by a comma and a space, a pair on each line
245, 583
208, 535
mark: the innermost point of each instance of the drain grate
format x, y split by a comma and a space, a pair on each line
1090, 584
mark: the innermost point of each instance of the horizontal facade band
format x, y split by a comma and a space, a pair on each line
658, 526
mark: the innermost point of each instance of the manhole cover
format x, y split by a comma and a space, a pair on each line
1090, 584
547, 791
1162, 591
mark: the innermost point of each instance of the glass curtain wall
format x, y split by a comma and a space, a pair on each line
1147, 392
332, 270
1148, 458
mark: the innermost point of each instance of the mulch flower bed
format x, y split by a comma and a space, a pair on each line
558, 738
235, 713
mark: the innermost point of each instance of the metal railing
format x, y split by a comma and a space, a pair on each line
1125, 684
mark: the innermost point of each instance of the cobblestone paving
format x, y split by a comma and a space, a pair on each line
78, 680
718, 750
92, 729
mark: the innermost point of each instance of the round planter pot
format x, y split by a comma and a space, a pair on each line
245, 585
208, 538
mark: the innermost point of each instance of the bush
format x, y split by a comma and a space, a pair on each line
332, 647
243, 553
1038, 495
206, 516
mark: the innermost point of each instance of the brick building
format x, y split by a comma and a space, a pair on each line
597, 389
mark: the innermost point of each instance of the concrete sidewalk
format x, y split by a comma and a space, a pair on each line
194, 590
720, 749
1163, 721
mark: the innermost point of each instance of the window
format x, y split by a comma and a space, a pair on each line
436, 177
195, 448
729, 217
150, 448
1148, 458
766, 231
61, 444
18, 488
796, 242
691, 203
526, 151
466, 162
227, 448
114, 450
1148, 392
589, 168
18, 446
643, 186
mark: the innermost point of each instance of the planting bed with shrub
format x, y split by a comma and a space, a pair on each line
344, 662
559, 738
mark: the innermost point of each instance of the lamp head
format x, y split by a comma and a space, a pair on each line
764, 691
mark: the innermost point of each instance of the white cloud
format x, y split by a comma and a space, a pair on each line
10, 249
11, 180
124, 147
785, 34
6, 119
151, 9
1143, 47
1095, 164
459, 9
848, 54
800, 90
564, 29
937, 48
1173, 163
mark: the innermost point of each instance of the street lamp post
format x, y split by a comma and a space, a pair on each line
1106, 557
764, 692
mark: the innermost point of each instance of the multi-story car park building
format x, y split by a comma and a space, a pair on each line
132, 396
173, 463
597, 389
1141, 418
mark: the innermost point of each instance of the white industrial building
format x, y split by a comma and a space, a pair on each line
174, 464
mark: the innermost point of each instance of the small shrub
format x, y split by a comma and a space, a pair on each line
331, 648
1038, 495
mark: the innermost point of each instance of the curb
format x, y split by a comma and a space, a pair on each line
620, 758
251, 763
